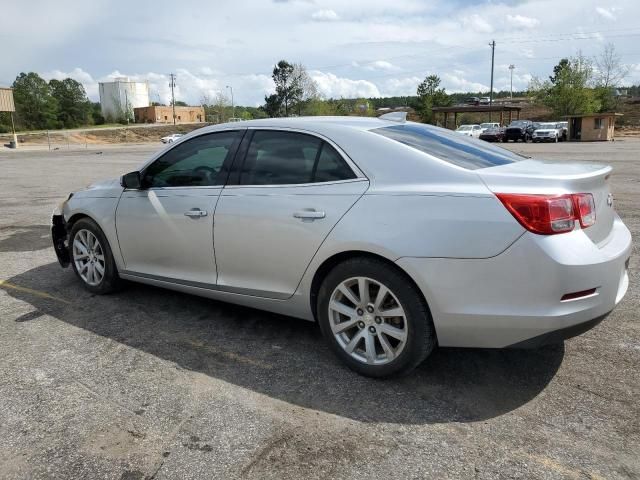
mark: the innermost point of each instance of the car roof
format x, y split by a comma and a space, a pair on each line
322, 125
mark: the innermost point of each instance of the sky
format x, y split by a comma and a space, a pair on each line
354, 48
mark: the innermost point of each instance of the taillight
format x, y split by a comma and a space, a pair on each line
585, 209
550, 214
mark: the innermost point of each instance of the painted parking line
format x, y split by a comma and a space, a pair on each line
31, 291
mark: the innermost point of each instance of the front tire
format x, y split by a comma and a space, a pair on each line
91, 257
374, 318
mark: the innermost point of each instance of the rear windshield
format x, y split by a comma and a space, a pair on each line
456, 149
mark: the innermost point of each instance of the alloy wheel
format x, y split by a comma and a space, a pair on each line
368, 321
88, 257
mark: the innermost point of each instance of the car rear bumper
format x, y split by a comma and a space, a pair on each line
514, 299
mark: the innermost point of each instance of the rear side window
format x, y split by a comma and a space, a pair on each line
284, 158
330, 166
451, 147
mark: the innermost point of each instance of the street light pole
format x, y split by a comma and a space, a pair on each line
511, 67
493, 51
233, 108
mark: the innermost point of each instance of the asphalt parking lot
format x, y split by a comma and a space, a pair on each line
149, 383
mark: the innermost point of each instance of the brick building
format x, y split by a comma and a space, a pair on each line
164, 114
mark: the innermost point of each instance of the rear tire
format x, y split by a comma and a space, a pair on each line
385, 331
92, 259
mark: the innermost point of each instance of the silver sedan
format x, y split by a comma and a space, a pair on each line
394, 236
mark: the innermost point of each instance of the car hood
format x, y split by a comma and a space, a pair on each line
101, 189
546, 130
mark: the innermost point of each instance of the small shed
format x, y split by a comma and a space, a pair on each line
591, 127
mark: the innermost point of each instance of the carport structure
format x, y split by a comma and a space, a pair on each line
490, 109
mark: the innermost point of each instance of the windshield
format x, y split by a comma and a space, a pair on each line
458, 150
546, 125
518, 123
488, 125
464, 128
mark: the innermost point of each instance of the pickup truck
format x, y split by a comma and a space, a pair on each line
520, 130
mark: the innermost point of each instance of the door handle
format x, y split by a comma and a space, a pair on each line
196, 213
309, 214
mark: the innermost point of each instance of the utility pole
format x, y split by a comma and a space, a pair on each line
172, 84
493, 51
511, 67
233, 108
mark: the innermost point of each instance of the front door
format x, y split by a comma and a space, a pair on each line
165, 229
291, 191
576, 128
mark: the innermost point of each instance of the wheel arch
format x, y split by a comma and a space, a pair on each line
329, 263
75, 217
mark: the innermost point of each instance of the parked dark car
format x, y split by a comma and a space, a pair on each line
520, 130
493, 134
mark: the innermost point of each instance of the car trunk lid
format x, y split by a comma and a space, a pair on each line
544, 177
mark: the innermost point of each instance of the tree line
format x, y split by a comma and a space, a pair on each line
42, 105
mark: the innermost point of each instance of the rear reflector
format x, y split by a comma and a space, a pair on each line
574, 295
550, 214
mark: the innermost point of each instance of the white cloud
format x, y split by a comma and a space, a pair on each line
332, 86
90, 85
379, 65
325, 15
608, 13
400, 86
190, 87
454, 83
520, 21
477, 23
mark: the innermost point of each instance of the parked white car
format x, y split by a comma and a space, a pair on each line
547, 132
394, 236
489, 126
469, 130
171, 138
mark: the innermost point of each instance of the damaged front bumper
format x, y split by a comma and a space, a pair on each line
60, 236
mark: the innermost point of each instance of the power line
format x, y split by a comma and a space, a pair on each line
565, 34
560, 37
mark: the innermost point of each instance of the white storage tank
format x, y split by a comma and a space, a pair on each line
119, 97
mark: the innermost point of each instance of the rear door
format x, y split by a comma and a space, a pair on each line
279, 206
165, 229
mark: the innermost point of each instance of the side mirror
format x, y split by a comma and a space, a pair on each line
131, 180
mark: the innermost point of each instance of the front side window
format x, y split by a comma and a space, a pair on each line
285, 158
443, 144
194, 163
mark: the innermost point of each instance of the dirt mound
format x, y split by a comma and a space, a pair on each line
107, 135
